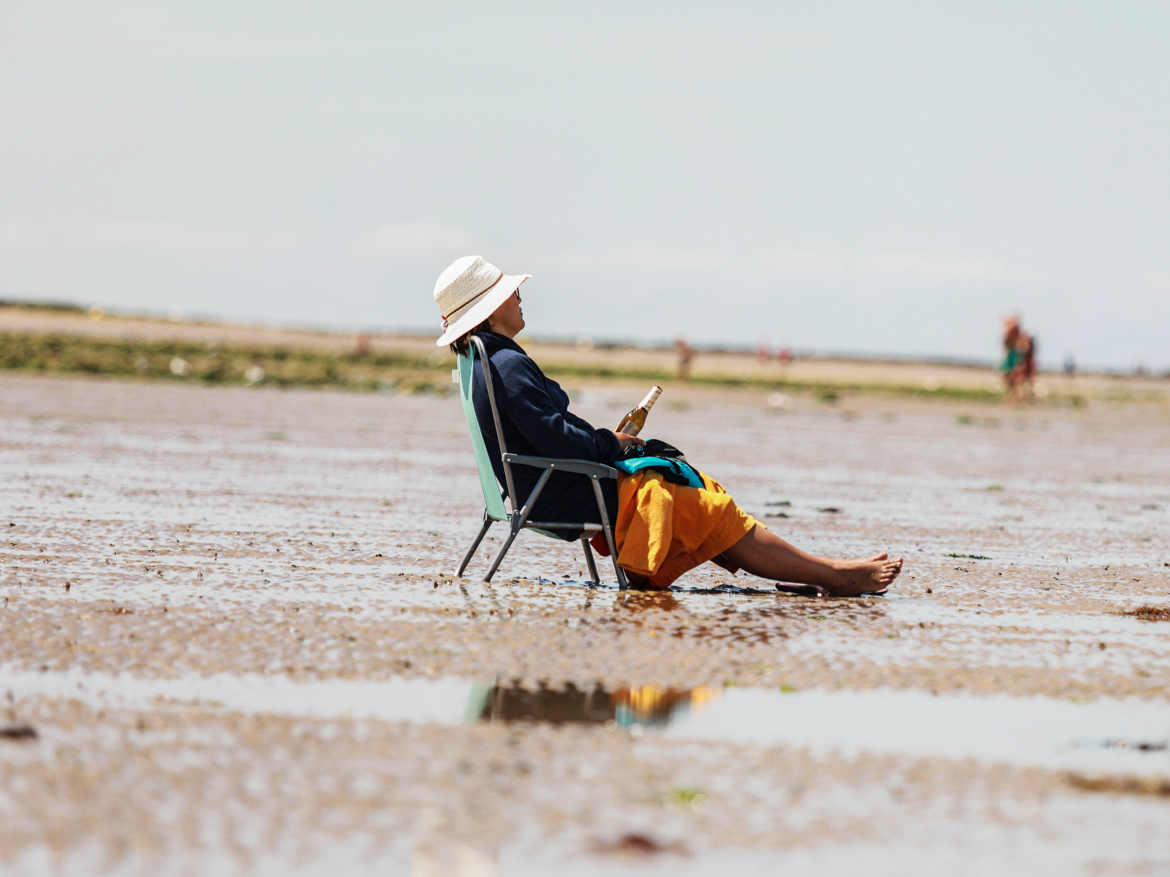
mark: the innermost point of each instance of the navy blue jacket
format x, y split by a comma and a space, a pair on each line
535, 418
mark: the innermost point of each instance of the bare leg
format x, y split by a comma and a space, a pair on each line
763, 553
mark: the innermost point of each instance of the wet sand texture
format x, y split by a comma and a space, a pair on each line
164, 547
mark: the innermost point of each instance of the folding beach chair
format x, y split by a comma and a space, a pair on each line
493, 497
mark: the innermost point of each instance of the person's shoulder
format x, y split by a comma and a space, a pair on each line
508, 357
516, 369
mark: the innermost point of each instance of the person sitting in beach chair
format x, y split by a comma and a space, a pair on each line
662, 529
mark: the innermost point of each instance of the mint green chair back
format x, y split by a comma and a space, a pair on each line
493, 500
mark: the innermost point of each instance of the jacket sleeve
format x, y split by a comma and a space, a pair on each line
552, 430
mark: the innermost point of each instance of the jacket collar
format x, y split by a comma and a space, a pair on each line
493, 341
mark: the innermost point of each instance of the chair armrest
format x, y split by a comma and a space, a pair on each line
561, 464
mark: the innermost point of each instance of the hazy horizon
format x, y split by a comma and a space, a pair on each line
890, 181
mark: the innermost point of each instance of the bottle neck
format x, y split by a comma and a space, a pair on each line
650, 398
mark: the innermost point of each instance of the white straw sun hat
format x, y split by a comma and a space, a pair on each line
468, 292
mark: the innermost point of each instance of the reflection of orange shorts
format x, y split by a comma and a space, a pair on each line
663, 529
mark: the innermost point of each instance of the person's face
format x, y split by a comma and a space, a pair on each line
509, 318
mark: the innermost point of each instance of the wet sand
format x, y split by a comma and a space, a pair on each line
230, 619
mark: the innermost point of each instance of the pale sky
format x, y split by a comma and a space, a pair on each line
865, 177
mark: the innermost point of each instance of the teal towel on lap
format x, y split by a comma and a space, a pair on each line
674, 471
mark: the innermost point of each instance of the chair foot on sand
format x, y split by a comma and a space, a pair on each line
487, 522
593, 576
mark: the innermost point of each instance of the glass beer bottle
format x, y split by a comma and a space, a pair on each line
635, 418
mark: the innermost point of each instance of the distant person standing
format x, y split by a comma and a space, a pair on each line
1027, 362
1019, 360
685, 354
1010, 365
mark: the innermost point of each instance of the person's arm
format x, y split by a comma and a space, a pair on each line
554, 432
624, 438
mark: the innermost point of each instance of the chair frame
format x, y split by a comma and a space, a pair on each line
517, 514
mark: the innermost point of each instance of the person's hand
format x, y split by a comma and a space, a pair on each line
628, 441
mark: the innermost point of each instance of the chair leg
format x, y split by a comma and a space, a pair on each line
503, 550
618, 572
518, 519
593, 576
613, 554
487, 522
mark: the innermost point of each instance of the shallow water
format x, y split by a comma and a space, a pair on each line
1103, 735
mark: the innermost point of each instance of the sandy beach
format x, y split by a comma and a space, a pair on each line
232, 641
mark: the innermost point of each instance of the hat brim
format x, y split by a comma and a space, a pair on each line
482, 309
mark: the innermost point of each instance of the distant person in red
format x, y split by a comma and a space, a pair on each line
685, 354
1027, 362
763, 351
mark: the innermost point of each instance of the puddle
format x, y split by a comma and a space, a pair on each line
1107, 734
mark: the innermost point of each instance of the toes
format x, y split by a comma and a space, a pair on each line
881, 556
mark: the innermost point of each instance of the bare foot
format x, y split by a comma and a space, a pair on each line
871, 575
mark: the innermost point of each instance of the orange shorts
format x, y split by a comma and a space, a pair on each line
664, 529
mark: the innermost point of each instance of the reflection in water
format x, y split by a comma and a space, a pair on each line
1033, 731
644, 705
651, 705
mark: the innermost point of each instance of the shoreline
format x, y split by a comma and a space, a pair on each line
64, 342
